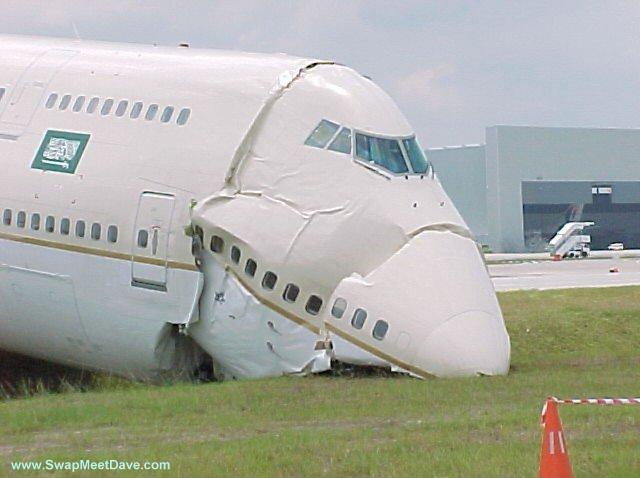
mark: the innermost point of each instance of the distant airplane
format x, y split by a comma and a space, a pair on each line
164, 210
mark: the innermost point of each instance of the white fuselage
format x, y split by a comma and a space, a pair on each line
159, 207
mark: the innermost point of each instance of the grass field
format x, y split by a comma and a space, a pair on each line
565, 343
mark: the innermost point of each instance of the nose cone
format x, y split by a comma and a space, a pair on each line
471, 343
436, 305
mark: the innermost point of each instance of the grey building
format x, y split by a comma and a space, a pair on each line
519, 188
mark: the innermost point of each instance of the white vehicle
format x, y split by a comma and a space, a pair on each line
616, 246
569, 242
167, 208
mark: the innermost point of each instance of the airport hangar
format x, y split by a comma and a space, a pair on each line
516, 190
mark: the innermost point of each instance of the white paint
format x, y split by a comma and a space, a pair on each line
239, 170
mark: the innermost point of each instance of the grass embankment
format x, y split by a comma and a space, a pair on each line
565, 343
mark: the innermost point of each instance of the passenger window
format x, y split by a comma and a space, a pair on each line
314, 304
380, 329
112, 234
2, 90
167, 114
79, 103
183, 117
339, 308
50, 224
96, 231
359, 318
64, 102
151, 112
269, 280
143, 238
122, 108
65, 226
217, 244
235, 254
35, 221
250, 268
51, 101
6, 217
22, 219
80, 229
342, 143
106, 107
93, 105
322, 134
291, 293
136, 110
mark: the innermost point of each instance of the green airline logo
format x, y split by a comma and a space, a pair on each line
60, 151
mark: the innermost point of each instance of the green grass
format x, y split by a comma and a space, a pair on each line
565, 343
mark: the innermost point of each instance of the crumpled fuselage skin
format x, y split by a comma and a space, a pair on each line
393, 246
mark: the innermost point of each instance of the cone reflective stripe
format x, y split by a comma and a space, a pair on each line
554, 458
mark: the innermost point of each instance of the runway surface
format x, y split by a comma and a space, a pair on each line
565, 274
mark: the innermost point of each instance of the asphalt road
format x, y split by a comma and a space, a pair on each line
565, 274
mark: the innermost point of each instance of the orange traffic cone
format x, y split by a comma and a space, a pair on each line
554, 459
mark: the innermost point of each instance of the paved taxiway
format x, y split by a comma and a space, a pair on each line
565, 274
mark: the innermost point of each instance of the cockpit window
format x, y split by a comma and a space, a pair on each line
322, 134
342, 142
417, 158
383, 152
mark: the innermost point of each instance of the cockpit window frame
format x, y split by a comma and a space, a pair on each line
371, 165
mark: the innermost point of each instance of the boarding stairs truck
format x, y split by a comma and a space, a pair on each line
570, 242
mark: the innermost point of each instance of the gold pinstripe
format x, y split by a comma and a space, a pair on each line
271, 305
191, 267
418, 371
96, 252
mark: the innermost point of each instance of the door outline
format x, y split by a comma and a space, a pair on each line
149, 265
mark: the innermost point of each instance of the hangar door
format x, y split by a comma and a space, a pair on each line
151, 240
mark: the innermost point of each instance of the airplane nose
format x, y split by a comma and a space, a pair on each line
471, 343
429, 309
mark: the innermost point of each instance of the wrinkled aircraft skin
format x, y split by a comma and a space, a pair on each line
247, 235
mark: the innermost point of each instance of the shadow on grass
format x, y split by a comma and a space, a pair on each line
22, 376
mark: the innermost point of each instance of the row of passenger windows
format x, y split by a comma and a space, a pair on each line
269, 279
359, 318
35, 222
291, 291
106, 107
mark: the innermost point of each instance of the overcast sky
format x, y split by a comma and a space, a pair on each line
453, 67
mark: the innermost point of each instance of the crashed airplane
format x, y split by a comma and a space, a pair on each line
168, 210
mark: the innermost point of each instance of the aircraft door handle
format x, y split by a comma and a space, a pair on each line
154, 240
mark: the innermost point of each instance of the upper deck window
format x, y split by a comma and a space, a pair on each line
122, 108
183, 117
79, 103
51, 101
418, 161
64, 102
382, 152
93, 104
322, 134
167, 114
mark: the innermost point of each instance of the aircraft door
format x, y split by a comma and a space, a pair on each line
151, 240
30, 89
